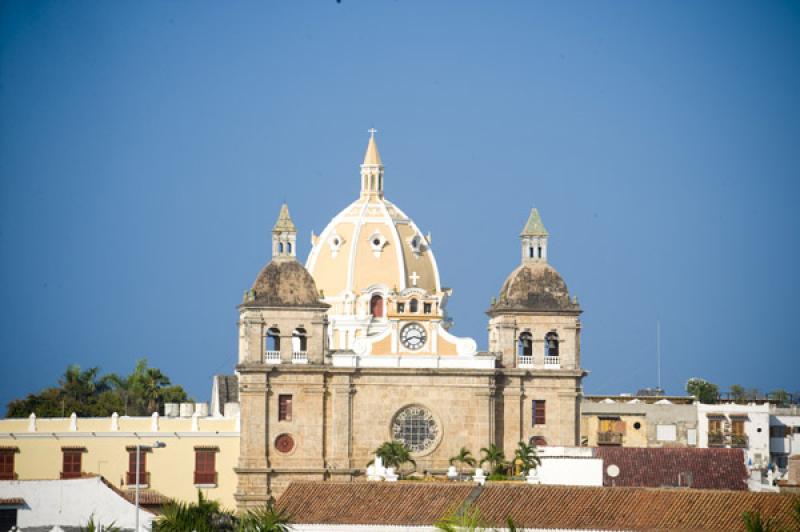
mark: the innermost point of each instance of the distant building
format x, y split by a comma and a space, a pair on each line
736, 426
638, 421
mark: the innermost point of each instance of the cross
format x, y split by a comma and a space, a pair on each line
414, 277
372, 131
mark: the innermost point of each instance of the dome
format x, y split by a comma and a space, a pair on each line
284, 283
535, 287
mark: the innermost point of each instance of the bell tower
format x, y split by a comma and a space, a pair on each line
284, 236
372, 170
534, 239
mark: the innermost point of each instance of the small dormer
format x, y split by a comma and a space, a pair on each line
534, 239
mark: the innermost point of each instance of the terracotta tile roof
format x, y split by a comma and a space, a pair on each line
665, 510
147, 497
559, 507
660, 467
364, 503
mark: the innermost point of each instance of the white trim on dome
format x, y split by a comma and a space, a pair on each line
427, 245
351, 263
401, 264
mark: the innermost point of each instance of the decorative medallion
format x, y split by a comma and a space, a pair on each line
416, 428
413, 336
284, 443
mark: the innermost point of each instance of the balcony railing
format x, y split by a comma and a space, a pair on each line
272, 357
552, 362
525, 361
300, 357
738, 440
716, 439
609, 438
205, 477
130, 478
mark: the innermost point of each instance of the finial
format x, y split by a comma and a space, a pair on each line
372, 132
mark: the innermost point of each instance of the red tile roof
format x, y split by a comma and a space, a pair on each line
630, 508
365, 503
660, 467
560, 507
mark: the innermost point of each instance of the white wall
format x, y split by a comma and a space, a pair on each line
571, 471
71, 503
756, 427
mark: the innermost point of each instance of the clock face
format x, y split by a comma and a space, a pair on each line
413, 336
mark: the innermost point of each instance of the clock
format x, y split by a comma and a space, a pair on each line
413, 336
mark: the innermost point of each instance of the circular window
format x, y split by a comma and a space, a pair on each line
335, 241
637, 425
376, 242
284, 443
416, 428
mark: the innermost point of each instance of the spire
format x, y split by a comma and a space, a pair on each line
284, 236
372, 157
534, 226
534, 239
372, 169
284, 223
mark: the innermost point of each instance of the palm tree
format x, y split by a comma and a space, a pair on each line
526, 456
496, 458
754, 522
394, 454
202, 516
267, 519
464, 457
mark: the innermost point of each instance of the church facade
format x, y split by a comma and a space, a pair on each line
352, 349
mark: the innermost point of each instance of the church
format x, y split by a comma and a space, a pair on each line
352, 349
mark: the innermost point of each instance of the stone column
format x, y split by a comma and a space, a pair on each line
512, 416
484, 399
317, 340
286, 344
507, 341
341, 423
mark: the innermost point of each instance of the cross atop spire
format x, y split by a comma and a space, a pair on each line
372, 132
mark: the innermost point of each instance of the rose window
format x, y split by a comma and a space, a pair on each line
416, 428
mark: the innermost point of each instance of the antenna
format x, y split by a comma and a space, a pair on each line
658, 352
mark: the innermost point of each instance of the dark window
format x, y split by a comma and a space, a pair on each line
8, 518
205, 469
71, 466
288, 247
779, 431
401, 307
376, 242
530, 252
280, 247
540, 252
284, 408
144, 479
272, 340
7, 464
376, 306
538, 412
551, 344
525, 345
426, 308
413, 305
299, 340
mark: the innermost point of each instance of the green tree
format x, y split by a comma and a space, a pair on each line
780, 396
394, 454
466, 519
526, 456
738, 393
267, 519
463, 458
202, 516
754, 522
704, 391
495, 457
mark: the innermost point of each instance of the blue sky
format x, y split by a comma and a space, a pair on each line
145, 149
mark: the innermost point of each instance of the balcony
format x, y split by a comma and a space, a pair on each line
272, 357
739, 440
299, 357
205, 478
609, 438
552, 362
525, 361
716, 439
144, 478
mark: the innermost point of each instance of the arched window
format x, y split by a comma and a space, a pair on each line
272, 340
299, 340
540, 252
538, 441
289, 247
530, 252
525, 345
551, 344
280, 247
413, 305
376, 306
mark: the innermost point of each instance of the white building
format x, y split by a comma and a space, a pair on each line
744, 426
784, 432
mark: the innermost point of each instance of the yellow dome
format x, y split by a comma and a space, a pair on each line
369, 243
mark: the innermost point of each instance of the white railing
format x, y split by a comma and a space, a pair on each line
272, 357
299, 357
552, 362
525, 361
